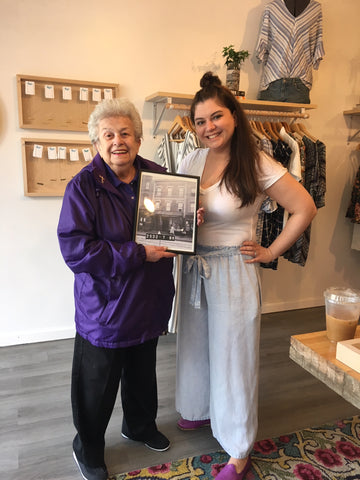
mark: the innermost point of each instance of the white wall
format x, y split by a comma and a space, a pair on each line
145, 47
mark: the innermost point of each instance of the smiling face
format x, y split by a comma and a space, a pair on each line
214, 124
117, 144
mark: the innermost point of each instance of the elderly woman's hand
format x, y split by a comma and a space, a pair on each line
153, 253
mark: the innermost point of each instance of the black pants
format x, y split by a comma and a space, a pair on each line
96, 375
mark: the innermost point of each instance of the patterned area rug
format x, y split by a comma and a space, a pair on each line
328, 452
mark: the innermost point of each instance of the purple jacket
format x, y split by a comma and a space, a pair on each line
120, 300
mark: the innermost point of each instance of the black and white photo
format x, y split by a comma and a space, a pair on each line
166, 211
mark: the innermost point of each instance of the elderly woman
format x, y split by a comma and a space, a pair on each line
123, 291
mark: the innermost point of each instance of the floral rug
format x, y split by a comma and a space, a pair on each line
328, 452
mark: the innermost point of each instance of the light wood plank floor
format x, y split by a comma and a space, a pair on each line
36, 428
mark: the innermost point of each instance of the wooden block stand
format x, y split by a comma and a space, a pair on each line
315, 353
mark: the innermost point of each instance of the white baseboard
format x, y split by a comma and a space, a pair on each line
20, 338
269, 307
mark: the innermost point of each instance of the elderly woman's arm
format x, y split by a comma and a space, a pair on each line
297, 201
85, 248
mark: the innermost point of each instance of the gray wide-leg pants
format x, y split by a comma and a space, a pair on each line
218, 346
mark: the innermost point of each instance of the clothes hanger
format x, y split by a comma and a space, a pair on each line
178, 121
306, 132
276, 127
296, 129
188, 124
286, 126
269, 129
300, 129
260, 128
177, 130
255, 131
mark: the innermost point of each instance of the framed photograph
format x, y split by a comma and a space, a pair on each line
166, 211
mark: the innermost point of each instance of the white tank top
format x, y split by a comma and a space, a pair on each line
225, 223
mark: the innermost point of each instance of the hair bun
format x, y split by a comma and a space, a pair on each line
210, 80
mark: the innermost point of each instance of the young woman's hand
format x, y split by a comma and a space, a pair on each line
260, 254
200, 216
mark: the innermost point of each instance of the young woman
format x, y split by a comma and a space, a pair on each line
218, 335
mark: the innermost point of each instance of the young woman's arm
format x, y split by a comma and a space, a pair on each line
291, 195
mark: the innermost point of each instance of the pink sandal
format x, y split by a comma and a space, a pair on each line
192, 424
229, 472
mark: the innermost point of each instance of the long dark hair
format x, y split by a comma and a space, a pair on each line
240, 175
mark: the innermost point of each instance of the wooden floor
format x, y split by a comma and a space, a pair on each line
36, 428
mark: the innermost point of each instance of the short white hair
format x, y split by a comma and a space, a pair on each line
114, 107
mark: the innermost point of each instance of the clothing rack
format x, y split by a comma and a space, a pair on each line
163, 101
177, 106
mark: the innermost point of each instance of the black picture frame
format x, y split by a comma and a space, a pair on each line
166, 211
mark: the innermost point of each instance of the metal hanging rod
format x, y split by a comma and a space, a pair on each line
271, 113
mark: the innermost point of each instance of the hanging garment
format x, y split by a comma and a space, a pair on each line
353, 210
294, 165
268, 205
273, 222
164, 157
190, 143
170, 152
315, 184
355, 243
315, 170
289, 47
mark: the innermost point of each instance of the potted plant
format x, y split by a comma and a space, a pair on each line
233, 60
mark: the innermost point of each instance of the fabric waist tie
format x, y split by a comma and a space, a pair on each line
200, 268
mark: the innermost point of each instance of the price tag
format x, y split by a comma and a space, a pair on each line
66, 91
62, 153
37, 151
49, 91
29, 87
84, 94
74, 154
96, 95
52, 153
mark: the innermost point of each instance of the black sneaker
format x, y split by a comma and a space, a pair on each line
91, 473
157, 442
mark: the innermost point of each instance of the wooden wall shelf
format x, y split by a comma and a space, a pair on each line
354, 112
36, 111
49, 177
182, 101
